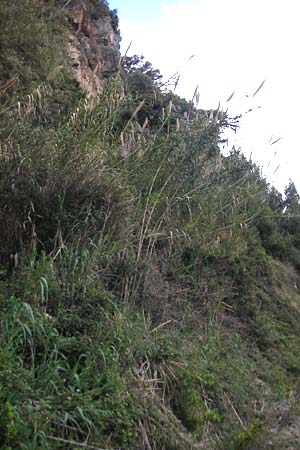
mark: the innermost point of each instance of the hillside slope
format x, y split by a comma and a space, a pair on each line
150, 287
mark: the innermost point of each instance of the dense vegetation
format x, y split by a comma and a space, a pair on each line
149, 286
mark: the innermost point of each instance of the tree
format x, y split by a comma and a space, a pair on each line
135, 63
141, 78
291, 202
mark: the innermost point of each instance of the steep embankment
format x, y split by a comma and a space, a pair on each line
150, 300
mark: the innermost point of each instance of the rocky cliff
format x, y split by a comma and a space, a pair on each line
92, 43
84, 30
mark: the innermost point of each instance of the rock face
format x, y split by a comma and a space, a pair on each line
93, 43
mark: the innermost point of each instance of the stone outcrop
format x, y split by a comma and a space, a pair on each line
93, 43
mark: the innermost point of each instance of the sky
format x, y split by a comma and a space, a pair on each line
224, 47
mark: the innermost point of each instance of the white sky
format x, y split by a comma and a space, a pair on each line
236, 45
